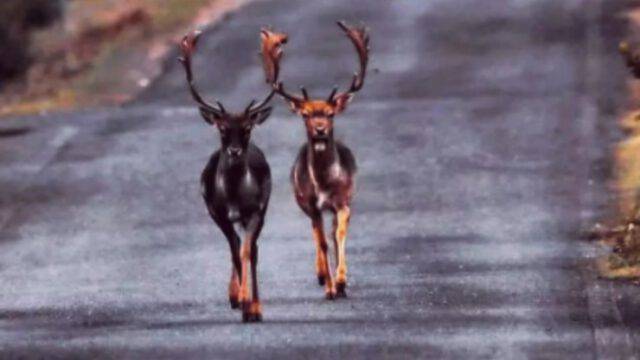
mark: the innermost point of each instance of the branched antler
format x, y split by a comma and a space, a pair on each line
271, 43
271, 54
360, 39
251, 108
187, 47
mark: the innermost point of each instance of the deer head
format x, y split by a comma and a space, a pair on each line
317, 113
235, 128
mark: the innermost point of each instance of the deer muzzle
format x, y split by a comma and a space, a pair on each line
234, 152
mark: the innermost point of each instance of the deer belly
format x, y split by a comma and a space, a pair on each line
333, 197
242, 210
324, 200
233, 213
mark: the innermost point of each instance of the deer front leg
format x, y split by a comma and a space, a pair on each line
322, 263
321, 259
343, 216
245, 255
251, 308
234, 282
334, 230
234, 289
234, 248
255, 309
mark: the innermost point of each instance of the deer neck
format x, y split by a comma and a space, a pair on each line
232, 170
321, 162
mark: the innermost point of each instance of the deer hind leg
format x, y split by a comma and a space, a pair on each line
334, 230
321, 268
245, 255
234, 248
255, 309
251, 308
322, 262
234, 289
343, 216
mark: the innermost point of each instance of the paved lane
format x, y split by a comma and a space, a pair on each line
480, 152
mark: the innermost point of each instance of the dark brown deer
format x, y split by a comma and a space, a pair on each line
323, 175
236, 186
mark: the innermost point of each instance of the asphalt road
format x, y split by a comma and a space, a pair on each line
482, 137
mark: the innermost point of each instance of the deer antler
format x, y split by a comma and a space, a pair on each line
188, 46
271, 43
251, 108
360, 39
271, 55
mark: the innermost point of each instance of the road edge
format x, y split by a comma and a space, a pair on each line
611, 340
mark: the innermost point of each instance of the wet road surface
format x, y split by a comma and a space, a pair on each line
482, 137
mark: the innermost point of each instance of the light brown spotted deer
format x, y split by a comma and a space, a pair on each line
323, 175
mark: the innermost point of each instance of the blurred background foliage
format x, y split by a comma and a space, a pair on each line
62, 53
17, 20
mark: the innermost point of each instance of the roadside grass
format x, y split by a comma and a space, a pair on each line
624, 239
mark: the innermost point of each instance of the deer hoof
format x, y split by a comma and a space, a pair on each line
321, 280
251, 317
330, 295
341, 290
233, 301
252, 312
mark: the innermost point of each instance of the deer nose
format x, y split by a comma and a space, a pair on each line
321, 129
234, 151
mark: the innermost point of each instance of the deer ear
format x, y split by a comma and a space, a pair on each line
295, 106
341, 101
211, 117
260, 116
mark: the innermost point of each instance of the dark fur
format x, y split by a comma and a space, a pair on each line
237, 191
236, 184
250, 199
